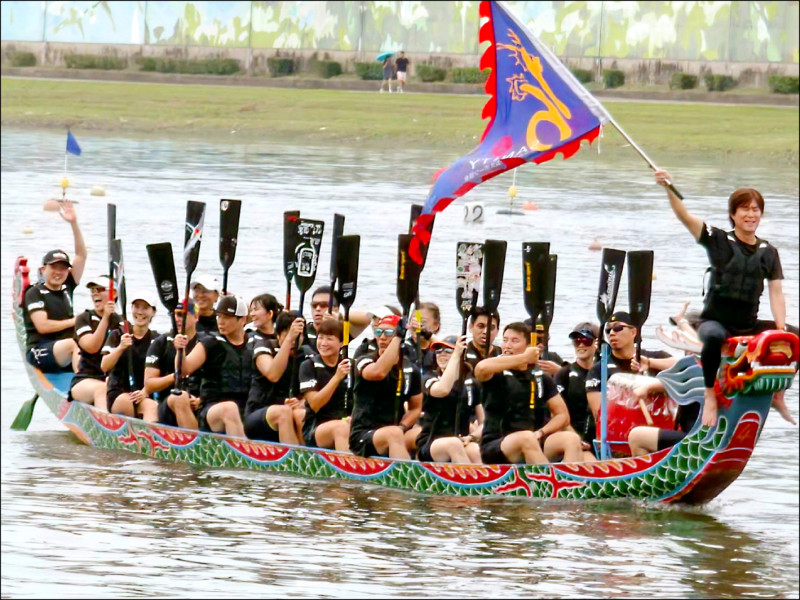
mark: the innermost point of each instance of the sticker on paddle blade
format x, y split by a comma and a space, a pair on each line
469, 264
309, 241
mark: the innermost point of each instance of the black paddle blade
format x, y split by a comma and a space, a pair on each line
290, 220
338, 230
119, 275
494, 263
163, 266
407, 274
112, 233
309, 241
416, 210
640, 284
347, 249
534, 261
469, 262
229, 211
195, 215
549, 291
610, 277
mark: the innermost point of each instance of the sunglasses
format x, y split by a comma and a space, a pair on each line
582, 341
320, 305
387, 332
617, 328
443, 351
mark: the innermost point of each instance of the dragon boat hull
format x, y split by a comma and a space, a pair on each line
693, 471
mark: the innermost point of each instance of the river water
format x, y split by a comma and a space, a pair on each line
83, 522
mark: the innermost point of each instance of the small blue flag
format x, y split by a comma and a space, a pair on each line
72, 144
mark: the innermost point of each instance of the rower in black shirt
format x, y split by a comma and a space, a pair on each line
47, 305
159, 374
91, 330
225, 363
379, 420
124, 399
269, 414
323, 384
571, 384
205, 292
526, 418
264, 310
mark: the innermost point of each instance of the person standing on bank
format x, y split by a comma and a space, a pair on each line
47, 305
388, 72
740, 262
401, 64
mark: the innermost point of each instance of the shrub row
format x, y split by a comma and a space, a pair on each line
682, 81
94, 61
280, 66
468, 75
780, 84
719, 83
583, 75
22, 59
206, 66
613, 78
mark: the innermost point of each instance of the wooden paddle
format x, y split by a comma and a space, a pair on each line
163, 266
111, 214
308, 233
347, 251
193, 235
534, 267
228, 236
494, 263
338, 230
640, 285
119, 275
469, 261
290, 219
407, 288
610, 276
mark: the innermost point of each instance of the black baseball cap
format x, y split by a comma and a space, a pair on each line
585, 329
55, 256
231, 305
622, 317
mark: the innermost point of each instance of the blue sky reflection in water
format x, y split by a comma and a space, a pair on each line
94, 523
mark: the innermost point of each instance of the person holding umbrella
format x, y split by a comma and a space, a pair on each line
388, 70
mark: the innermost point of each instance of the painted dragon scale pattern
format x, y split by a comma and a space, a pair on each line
694, 471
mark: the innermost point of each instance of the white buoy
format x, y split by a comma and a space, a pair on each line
97, 190
27, 229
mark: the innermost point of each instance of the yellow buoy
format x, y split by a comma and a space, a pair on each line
512, 191
64, 183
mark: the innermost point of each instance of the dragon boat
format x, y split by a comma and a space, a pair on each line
694, 471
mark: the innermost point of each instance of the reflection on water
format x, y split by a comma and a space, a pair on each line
77, 521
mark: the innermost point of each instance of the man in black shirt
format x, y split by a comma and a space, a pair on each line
205, 291
320, 301
402, 66
159, 374
525, 416
47, 305
377, 427
622, 359
740, 262
482, 326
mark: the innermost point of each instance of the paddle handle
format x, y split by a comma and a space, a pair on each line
605, 452
330, 299
288, 295
293, 389
176, 390
348, 391
131, 380
225, 281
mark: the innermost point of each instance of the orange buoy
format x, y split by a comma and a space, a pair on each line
530, 206
595, 245
52, 205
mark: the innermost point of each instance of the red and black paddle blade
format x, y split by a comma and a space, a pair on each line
416, 211
407, 274
610, 276
290, 220
193, 234
111, 214
469, 264
494, 262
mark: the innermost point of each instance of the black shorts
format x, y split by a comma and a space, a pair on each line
112, 395
361, 443
257, 428
41, 356
310, 432
165, 414
77, 379
669, 437
491, 453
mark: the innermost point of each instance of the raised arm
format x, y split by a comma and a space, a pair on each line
489, 367
445, 384
67, 213
692, 223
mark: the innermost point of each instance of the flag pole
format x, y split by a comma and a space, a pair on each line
641, 153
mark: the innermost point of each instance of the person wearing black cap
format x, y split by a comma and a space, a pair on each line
227, 368
622, 359
47, 305
159, 374
445, 434
91, 330
525, 415
740, 262
122, 398
571, 384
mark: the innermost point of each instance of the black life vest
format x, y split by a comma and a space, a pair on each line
234, 375
740, 277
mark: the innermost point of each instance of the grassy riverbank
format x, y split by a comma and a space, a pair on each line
447, 122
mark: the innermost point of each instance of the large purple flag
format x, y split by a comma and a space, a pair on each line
537, 109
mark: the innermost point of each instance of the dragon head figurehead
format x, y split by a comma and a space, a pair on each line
758, 364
